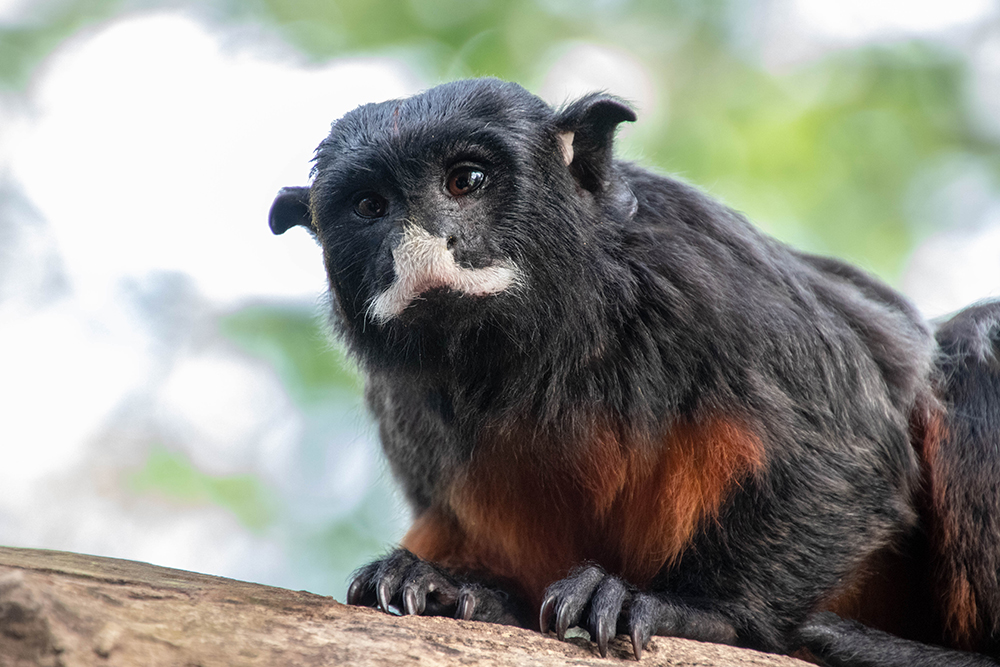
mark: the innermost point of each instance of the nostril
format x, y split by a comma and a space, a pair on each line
452, 241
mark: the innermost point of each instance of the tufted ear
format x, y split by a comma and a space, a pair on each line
586, 134
290, 208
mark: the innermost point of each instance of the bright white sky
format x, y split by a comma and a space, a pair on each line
860, 20
154, 149
146, 147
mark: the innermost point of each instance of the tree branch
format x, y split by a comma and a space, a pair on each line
60, 608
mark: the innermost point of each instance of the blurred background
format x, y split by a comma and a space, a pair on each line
168, 391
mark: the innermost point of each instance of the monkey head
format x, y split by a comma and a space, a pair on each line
469, 208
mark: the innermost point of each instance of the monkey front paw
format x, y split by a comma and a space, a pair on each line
589, 590
606, 606
403, 583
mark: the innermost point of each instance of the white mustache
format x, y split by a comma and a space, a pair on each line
423, 262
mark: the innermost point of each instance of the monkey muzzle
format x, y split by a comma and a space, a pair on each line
422, 262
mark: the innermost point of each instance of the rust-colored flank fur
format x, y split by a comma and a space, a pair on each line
959, 609
523, 512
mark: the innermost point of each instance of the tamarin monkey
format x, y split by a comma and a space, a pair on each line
613, 403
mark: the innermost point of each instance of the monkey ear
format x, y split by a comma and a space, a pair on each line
290, 208
586, 134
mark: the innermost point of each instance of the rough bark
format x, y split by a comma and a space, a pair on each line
68, 609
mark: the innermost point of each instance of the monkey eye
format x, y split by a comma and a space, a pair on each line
463, 180
371, 205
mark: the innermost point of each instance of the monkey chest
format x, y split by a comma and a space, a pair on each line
527, 510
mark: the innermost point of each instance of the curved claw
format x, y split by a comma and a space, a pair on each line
637, 643
603, 635
466, 607
562, 621
412, 604
605, 610
383, 595
355, 591
545, 615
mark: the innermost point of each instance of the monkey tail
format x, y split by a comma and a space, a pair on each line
837, 642
963, 469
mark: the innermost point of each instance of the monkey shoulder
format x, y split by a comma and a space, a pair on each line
699, 245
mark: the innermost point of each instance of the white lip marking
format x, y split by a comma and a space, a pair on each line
422, 262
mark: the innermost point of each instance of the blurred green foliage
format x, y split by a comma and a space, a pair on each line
823, 155
296, 343
23, 46
174, 477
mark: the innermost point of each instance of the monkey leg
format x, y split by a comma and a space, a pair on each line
407, 584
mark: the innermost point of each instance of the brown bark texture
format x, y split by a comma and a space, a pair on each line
67, 609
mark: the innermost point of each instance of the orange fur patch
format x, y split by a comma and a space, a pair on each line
959, 608
528, 508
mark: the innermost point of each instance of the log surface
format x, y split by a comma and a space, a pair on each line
66, 609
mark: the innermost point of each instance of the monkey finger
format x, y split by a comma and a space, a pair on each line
602, 635
428, 590
646, 615
605, 610
414, 600
384, 594
570, 597
481, 603
361, 591
545, 614
566, 615
357, 590
466, 606
392, 572
638, 642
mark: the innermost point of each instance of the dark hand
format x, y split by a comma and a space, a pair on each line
413, 586
606, 606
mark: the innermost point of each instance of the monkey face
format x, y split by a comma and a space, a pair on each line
412, 206
452, 208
